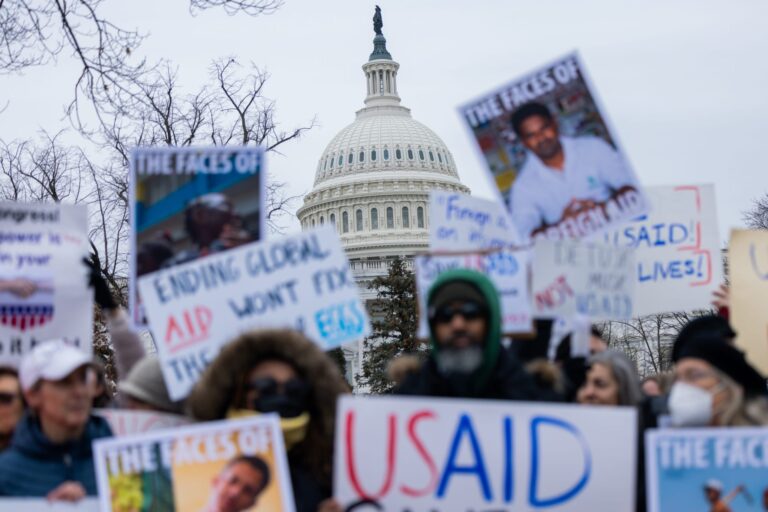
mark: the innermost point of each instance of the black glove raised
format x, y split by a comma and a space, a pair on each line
101, 293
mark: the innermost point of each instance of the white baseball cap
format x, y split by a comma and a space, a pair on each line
715, 485
50, 360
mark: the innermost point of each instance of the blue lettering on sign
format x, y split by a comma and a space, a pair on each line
340, 322
617, 305
501, 263
753, 258
454, 211
444, 233
533, 495
670, 270
654, 235
465, 428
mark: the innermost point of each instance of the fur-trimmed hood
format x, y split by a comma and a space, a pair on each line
220, 385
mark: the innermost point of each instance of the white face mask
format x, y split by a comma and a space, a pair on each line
690, 406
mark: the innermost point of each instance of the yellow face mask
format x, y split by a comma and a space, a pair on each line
294, 429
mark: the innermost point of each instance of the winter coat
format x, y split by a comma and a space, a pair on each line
219, 389
501, 376
34, 466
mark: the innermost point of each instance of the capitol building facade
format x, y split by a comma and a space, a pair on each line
373, 181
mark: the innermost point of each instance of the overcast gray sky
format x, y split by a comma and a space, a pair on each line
684, 82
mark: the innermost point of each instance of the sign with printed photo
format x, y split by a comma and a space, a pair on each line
301, 281
553, 155
677, 250
226, 465
189, 202
435, 454
44, 290
718, 469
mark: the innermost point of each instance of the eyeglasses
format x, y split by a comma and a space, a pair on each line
8, 398
692, 376
467, 310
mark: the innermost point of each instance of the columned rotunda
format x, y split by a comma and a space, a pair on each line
373, 180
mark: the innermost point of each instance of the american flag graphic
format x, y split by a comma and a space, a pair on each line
25, 316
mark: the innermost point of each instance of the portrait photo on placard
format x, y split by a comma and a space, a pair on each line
188, 203
553, 154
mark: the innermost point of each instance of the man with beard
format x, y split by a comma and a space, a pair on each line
562, 176
466, 358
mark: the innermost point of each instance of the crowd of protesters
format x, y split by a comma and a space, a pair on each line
47, 424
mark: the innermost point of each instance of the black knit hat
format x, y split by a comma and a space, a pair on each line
712, 348
709, 325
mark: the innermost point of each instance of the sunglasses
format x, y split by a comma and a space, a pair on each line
467, 310
267, 386
8, 398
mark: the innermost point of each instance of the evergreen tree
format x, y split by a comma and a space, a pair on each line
394, 318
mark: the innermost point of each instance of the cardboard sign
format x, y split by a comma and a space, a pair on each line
706, 469
188, 202
462, 455
125, 422
677, 250
748, 264
507, 269
188, 468
577, 277
302, 281
44, 290
553, 155
460, 222
43, 505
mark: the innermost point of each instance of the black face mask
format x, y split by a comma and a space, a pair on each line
288, 399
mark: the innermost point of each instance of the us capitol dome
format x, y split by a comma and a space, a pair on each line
373, 179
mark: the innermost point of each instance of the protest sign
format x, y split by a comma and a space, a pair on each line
188, 202
43, 505
460, 222
188, 468
676, 250
463, 455
302, 281
706, 469
44, 290
578, 277
553, 155
748, 264
125, 422
507, 269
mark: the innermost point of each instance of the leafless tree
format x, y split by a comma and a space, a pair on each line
757, 216
35, 32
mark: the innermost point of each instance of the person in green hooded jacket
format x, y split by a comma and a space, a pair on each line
467, 359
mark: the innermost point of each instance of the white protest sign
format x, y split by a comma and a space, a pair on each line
301, 281
43, 505
591, 279
507, 270
460, 222
706, 469
125, 422
677, 250
457, 455
44, 290
187, 468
